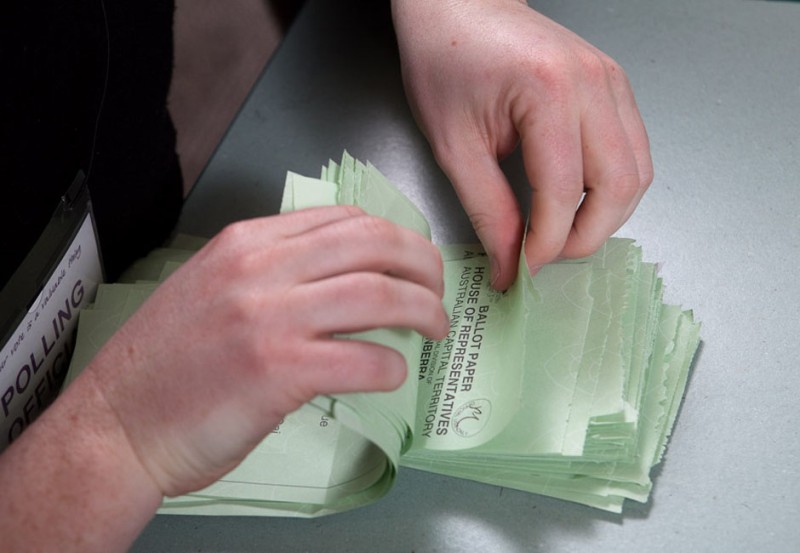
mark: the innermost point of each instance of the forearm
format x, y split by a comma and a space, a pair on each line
72, 483
425, 9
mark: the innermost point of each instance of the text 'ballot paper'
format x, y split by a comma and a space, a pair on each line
566, 385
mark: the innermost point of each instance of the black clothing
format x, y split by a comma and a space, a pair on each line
84, 87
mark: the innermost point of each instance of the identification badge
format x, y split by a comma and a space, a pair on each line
40, 306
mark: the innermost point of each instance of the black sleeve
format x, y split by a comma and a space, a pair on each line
85, 88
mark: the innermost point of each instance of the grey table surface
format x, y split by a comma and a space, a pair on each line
718, 84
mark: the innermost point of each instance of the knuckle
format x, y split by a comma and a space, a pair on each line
232, 235
236, 308
582, 247
229, 249
377, 288
377, 228
612, 67
240, 266
445, 152
646, 176
565, 191
615, 73
483, 222
596, 70
623, 187
238, 255
552, 74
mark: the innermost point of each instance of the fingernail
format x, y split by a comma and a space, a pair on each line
533, 269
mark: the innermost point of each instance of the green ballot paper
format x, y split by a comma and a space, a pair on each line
566, 385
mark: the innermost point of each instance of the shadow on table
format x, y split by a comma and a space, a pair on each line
424, 512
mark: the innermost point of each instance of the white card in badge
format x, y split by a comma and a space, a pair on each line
40, 306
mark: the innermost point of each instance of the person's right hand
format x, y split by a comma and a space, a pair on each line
483, 77
244, 333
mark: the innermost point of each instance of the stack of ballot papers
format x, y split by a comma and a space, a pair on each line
566, 385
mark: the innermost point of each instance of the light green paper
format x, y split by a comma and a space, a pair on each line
566, 385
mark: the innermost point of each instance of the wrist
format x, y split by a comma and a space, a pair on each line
72, 482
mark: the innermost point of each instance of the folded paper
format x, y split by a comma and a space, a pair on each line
566, 385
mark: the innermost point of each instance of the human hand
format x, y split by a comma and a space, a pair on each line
482, 77
243, 334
